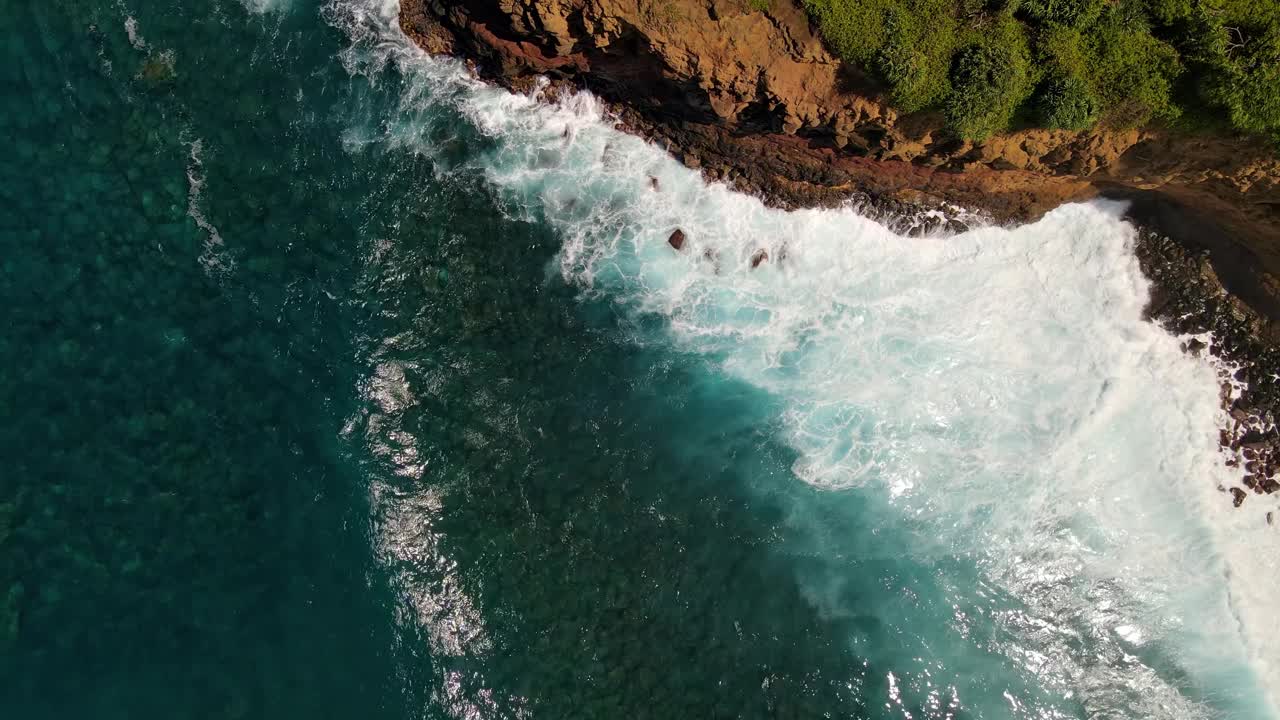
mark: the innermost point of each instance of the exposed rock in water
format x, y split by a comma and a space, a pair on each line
1190, 296
758, 257
677, 239
1237, 497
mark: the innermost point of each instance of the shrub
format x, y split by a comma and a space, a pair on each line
1072, 13
1129, 62
1246, 81
1132, 72
1067, 103
916, 57
855, 29
1064, 49
1169, 12
989, 80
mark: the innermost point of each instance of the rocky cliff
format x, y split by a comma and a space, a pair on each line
750, 95
753, 96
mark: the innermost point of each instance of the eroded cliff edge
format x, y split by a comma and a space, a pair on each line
750, 95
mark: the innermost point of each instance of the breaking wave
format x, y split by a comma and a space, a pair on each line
999, 388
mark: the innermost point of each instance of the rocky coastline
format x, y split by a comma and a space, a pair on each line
749, 96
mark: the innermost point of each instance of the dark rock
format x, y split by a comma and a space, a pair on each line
758, 257
677, 239
1194, 346
1256, 445
653, 183
1237, 497
1269, 520
1253, 439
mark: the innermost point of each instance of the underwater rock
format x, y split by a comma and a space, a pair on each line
158, 71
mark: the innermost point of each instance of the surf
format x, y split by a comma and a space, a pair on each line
999, 389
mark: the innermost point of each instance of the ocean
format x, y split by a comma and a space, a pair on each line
341, 384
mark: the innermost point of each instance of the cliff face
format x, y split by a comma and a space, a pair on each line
753, 97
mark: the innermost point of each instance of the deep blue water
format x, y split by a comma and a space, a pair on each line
309, 414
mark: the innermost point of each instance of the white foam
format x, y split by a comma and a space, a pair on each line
262, 7
214, 258
1000, 385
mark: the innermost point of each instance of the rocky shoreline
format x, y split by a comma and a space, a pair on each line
1209, 228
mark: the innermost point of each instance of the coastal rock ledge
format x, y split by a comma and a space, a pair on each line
749, 95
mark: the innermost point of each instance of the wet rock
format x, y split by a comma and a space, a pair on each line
1269, 519
758, 257
1253, 439
677, 239
654, 184
1237, 497
1194, 346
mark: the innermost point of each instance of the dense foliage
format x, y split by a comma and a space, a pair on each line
989, 65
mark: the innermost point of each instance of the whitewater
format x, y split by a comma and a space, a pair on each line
998, 389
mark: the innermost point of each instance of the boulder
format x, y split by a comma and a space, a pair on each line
677, 239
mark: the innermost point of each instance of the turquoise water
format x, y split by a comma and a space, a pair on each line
339, 385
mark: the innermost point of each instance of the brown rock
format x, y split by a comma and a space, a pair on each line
677, 239
1237, 497
758, 257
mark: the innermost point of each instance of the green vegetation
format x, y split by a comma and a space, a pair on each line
989, 65
990, 78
